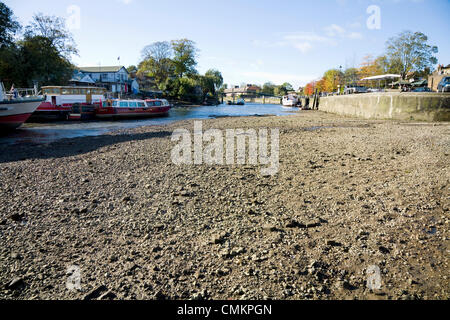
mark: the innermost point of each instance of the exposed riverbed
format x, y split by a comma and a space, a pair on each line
352, 198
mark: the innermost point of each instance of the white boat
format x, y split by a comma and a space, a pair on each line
290, 101
17, 106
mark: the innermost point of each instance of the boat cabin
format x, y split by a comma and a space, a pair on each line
60, 96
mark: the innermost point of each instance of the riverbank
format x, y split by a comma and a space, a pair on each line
350, 194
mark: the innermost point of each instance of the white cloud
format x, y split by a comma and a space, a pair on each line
306, 36
303, 46
355, 25
304, 41
355, 35
334, 30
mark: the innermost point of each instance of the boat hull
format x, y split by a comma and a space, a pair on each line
49, 112
126, 113
14, 114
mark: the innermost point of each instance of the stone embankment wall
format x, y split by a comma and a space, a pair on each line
397, 106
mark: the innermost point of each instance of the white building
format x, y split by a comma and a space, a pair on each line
115, 79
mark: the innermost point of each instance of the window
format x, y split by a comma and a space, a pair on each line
150, 103
141, 105
124, 104
66, 91
114, 104
158, 103
133, 104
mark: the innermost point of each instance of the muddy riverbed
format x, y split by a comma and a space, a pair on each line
351, 196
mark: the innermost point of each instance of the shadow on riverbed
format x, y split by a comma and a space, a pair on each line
70, 147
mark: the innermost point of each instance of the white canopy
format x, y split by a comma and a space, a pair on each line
383, 77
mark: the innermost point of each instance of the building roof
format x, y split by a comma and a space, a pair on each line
106, 69
383, 77
81, 78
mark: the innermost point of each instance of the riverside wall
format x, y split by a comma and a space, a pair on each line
396, 106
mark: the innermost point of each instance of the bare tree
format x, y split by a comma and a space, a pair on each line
158, 51
157, 61
54, 29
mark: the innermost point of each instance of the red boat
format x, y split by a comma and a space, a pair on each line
16, 108
117, 109
61, 100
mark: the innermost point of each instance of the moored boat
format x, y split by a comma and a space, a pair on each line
239, 102
159, 107
60, 101
290, 101
16, 108
120, 109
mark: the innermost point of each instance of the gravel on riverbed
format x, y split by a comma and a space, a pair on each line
350, 195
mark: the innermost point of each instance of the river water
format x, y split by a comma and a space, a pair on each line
50, 132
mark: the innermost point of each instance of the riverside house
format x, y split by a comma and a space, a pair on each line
248, 91
115, 79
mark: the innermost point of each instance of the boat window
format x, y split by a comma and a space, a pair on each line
150, 103
133, 104
158, 103
141, 104
124, 104
65, 91
83, 91
54, 90
114, 104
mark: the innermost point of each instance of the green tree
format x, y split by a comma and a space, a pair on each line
54, 29
207, 86
283, 89
216, 78
268, 89
8, 25
351, 76
288, 86
410, 52
43, 62
185, 57
11, 71
157, 62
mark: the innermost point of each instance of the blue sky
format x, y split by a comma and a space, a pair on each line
252, 41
